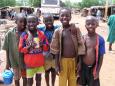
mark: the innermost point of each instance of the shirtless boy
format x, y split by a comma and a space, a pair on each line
95, 50
66, 44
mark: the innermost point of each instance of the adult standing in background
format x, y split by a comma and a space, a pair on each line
98, 14
111, 36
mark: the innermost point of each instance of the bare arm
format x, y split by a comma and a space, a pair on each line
57, 63
99, 68
100, 64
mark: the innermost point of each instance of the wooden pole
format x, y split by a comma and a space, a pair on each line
106, 9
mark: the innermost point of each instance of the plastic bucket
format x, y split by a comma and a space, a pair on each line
7, 76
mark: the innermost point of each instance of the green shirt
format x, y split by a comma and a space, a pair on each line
14, 58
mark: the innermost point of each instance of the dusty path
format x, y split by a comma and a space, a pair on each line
107, 74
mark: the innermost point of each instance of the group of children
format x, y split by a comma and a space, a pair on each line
32, 49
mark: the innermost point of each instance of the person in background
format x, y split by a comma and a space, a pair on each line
98, 14
39, 15
111, 35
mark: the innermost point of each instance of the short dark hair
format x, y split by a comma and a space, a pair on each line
20, 15
47, 15
33, 16
65, 9
93, 18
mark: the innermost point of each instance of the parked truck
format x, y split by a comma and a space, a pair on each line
51, 6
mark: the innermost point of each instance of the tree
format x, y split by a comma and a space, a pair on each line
22, 3
35, 3
89, 3
113, 1
4, 3
68, 4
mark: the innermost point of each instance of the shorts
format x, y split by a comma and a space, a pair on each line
32, 71
49, 64
19, 73
86, 76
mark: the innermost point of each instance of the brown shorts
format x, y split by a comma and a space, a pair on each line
49, 64
19, 73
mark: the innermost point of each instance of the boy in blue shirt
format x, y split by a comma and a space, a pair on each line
48, 29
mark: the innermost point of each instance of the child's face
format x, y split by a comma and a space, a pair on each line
91, 25
65, 17
31, 23
48, 21
21, 23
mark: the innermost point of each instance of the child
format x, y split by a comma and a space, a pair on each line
95, 50
14, 58
49, 60
32, 43
66, 45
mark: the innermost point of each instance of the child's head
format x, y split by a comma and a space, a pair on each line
32, 22
48, 20
65, 16
20, 21
91, 24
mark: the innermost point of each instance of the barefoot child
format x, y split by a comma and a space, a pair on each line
95, 50
49, 58
67, 45
14, 58
32, 43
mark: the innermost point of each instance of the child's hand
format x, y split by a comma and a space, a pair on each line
96, 76
41, 44
30, 46
57, 69
30, 43
49, 56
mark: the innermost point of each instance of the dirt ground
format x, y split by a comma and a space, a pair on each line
107, 74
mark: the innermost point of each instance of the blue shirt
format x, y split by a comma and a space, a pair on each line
101, 46
48, 33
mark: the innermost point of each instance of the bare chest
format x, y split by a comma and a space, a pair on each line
90, 43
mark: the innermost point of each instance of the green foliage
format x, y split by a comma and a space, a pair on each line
89, 3
22, 3
69, 4
84, 3
4, 3
113, 1
75, 5
35, 3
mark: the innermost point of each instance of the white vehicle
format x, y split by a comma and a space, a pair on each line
50, 6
